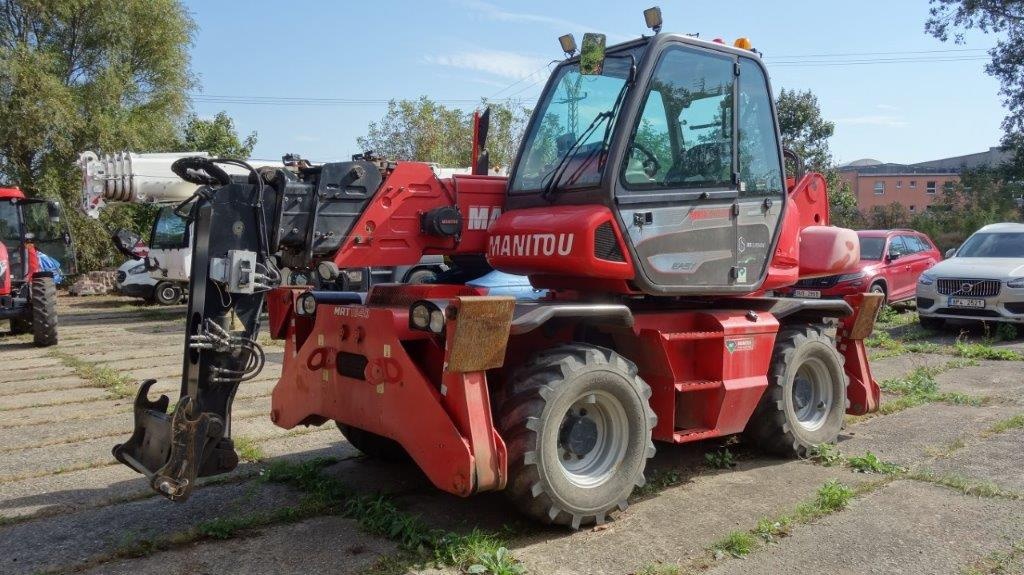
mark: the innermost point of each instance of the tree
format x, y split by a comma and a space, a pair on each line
806, 132
952, 18
426, 131
217, 136
74, 75
982, 196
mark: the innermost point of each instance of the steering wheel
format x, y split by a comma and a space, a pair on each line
651, 164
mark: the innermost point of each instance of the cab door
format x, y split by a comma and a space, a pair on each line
51, 236
701, 187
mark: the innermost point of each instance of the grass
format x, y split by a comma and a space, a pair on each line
658, 481
985, 351
966, 486
919, 387
826, 454
870, 463
736, 544
1000, 562
116, 385
659, 569
1004, 425
248, 450
721, 459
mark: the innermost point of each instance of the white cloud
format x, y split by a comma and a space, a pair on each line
881, 120
505, 64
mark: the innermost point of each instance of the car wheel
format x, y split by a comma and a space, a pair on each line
880, 289
166, 293
421, 276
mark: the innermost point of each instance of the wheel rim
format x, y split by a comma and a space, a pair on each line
812, 394
167, 294
592, 439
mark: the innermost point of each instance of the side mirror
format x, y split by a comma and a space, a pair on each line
53, 211
950, 253
592, 54
890, 257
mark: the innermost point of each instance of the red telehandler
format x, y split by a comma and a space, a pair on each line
649, 197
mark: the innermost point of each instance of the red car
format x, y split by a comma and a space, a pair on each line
890, 263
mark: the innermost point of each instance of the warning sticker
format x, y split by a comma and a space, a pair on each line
739, 344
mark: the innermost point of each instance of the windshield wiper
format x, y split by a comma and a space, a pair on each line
556, 172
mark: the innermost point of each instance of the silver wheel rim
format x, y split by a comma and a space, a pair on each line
167, 293
603, 416
812, 394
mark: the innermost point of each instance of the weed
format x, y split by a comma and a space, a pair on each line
658, 481
737, 544
831, 497
248, 450
919, 387
888, 315
870, 463
826, 454
116, 385
224, 528
1006, 332
985, 351
498, 562
721, 459
1002, 426
770, 529
966, 486
659, 569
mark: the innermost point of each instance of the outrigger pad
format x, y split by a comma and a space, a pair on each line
172, 450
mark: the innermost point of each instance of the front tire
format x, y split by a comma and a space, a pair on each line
880, 289
167, 293
44, 312
806, 396
577, 425
421, 276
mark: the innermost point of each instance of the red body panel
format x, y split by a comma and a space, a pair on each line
389, 233
11, 193
556, 242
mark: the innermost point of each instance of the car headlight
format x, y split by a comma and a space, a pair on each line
137, 269
850, 277
1014, 283
306, 306
426, 316
926, 280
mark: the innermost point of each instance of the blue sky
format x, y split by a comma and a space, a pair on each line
460, 50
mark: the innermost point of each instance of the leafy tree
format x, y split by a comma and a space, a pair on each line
950, 19
77, 75
806, 132
426, 131
983, 196
887, 217
217, 136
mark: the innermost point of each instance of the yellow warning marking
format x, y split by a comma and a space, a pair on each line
380, 388
320, 339
387, 350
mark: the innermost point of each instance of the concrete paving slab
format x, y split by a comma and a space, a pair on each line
997, 459
324, 545
908, 437
1001, 379
901, 365
51, 397
34, 374
906, 527
49, 384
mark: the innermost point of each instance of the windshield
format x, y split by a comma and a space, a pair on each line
10, 230
564, 113
871, 248
169, 231
993, 245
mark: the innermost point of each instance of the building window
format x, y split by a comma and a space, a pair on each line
899, 184
947, 187
913, 184
879, 188
931, 188
913, 208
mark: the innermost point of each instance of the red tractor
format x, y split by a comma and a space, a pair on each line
649, 197
28, 295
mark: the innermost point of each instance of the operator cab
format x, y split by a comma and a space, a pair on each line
678, 138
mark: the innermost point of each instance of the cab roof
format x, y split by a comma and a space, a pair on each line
11, 193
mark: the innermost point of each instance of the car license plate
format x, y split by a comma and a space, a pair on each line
969, 302
809, 293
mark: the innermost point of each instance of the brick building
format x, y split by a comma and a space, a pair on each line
916, 186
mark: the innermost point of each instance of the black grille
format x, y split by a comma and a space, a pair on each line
606, 247
925, 302
968, 287
352, 365
1015, 306
818, 283
967, 312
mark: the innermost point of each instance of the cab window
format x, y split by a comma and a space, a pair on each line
686, 124
169, 232
10, 228
759, 158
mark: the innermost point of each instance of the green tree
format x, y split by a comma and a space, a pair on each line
217, 136
426, 131
805, 131
983, 196
78, 75
951, 19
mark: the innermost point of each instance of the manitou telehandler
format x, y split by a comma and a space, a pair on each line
648, 197
28, 294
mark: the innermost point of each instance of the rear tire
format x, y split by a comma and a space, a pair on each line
932, 323
373, 445
44, 312
577, 425
421, 276
167, 293
879, 288
806, 396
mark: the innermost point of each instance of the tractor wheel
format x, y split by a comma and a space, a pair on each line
373, 445
421, 276
167, 293
806, 396
44, 312
577, 425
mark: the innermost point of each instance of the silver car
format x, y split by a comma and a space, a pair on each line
982, 280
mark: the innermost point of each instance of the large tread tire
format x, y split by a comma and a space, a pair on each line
774, 426
167, 293
531, 419
44, 312
373, 445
